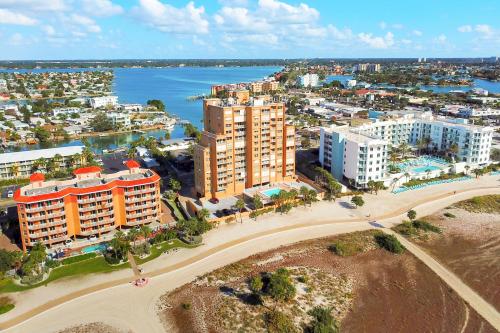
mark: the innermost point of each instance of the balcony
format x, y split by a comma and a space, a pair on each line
89, 232
39, 209
147, 213
95, 199
131, 200
46, 225
145, 205
134, 192
146, 221
46, 216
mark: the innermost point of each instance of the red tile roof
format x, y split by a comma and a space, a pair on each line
37, 177
90, 169
131, 164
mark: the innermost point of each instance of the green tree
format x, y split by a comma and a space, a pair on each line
278, 322
358, 201
42, 134
239, 205
256, 284
167, 135
101, 123
411, 214
323, 321
174, 185
203, 214
158, 104
280, 286
191, 131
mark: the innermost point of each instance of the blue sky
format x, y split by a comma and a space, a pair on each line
120, 29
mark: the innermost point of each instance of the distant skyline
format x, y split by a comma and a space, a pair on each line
134, 29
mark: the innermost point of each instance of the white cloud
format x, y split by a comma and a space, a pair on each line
398, 26
234, 3
382, 25
377, 42
167, 18
101, 8
484, 29
417, 33
277, 11
86, 22
341, 34
49, 30
10, 17
441, 39
35, 5
406, 41
465, 28
17, 39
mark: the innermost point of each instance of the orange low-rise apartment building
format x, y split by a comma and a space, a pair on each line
92, 203
243, 145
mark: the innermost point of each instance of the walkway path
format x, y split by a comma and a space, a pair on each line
485, 309
110, 301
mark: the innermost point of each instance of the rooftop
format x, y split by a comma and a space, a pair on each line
31, 155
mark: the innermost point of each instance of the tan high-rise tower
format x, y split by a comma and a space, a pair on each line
243, 145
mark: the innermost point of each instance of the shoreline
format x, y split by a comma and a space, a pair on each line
174, 267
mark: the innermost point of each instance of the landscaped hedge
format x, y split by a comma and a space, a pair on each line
72, 260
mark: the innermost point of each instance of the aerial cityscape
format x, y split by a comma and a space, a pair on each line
278, 166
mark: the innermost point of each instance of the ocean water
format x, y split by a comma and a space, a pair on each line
171, 85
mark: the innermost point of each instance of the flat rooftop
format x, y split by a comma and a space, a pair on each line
31, 155
53, 186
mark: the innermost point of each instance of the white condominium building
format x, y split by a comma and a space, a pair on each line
355, 155
342, 148
308, 80
103, 101
20, 164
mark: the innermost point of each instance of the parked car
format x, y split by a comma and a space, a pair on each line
10, 194
92, 238
68, 242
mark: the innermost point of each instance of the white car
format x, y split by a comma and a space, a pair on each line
68, 242
92, 238
10, 194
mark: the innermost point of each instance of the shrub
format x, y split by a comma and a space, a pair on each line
256, 284
406, 228
6, 308
323, 321
280, 287
278, 322
72, 260
345, 249
141, 249
426, 226
450, 215
186, 306
390, 243
52, 263
303, 279
112, 260
31, 279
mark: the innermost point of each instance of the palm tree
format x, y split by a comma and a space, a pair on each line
87, 155
75, 160
14, 170
131, 152
145, 231
467, 168
38, 164
371, 185
404, 149
453, 150
257, 202
304, 192
133, 234
427, 142
407, 176
239, 205
57, 159
50, 166
202, 214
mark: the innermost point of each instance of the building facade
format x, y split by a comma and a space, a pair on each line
103, 101
92, 203
308, 80
242, 146
360, 153
20, 164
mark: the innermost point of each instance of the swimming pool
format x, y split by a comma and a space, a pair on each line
425, 168
272, 191
94, 248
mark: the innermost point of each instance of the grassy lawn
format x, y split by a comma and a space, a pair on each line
6, 305
414, 182
95, 265
484, 204
158, 249
92, 265
177, 213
